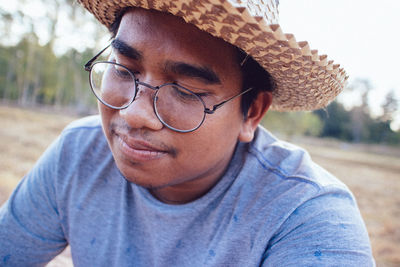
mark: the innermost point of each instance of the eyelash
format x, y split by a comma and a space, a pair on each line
203, 94
135, 72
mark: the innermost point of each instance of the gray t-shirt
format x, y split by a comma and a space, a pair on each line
272, 207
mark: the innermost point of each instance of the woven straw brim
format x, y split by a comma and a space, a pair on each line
304, 80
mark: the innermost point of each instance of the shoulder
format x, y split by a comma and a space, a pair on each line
82, 133
305, 211
289, 162
82, 144
280, 179
79, 147
278, 168
87, 123
284, 178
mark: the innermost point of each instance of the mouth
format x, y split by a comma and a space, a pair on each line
138, 150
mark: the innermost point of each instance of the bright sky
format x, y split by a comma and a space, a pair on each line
68, 35
361, 35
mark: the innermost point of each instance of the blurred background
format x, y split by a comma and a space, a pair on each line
43, 86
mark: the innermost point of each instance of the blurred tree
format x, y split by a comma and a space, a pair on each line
336, 121
291, 124
7, 20
7, 57
390, 106
360, 113
28, 73
31, 73
8, 61
357, 124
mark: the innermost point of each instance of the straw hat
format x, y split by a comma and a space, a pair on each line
304, 79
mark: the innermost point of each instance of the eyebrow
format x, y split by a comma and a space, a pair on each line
203, 73
126, 50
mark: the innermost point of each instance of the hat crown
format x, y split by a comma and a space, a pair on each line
304, 80
268, 9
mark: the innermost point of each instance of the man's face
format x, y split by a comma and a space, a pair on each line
161, 48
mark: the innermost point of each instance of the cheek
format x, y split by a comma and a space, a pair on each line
106, 115
219, 132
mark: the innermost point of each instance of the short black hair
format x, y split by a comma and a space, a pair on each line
254, 76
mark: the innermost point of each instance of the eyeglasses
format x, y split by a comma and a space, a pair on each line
177, 107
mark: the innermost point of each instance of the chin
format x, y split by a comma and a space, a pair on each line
144, 178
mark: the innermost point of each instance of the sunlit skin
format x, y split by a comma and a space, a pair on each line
177, 167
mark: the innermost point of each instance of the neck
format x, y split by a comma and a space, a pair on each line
193, 188
183, 193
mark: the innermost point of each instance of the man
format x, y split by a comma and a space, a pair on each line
176, 170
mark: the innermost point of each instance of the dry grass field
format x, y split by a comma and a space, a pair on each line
372, 173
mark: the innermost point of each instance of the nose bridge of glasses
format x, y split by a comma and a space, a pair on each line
139, 83
141, 107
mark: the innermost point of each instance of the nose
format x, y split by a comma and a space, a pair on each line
140, 113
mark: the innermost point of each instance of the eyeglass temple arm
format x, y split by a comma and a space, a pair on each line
88, 65
217, 106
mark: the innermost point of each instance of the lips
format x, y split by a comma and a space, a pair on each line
138, 150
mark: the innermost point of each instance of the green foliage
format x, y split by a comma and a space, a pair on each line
31, 74
336, 121
293, 123
355, 125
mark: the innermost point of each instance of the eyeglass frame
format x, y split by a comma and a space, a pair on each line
89, 65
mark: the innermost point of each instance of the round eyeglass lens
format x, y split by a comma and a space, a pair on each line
179, 108
113, 84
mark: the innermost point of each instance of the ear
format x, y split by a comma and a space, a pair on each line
254, 115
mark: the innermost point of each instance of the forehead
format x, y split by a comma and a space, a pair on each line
169, 37
151, 23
